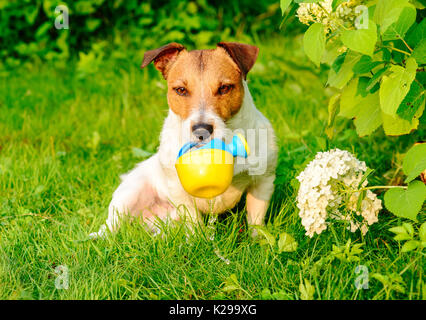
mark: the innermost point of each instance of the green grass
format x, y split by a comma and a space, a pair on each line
65, 138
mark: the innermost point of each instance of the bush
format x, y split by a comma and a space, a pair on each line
376, 54
27, 29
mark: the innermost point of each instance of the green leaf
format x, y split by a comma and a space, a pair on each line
368, 117
410, 245
361, 197
49, 8
93, 24
331, 52
398, 230
402, 237
406, 203
383, 279
287, 15
393, 281
412, 101
333, 106
314, 42
396, 85
396, 126
268, 237
281, 295
306, 290
421, 77
349, 101
398, 29
85, 7
419, 52
337, 64
416, 34
284, 4
231, 284
333, 109
361, 40
364, 65
42, 31
386, 55
266, 294
31, 13
341, 78
365, 110
387, 12
286, 243
362, 86
401, 233
94, 141
419, 4
422, 232
409, 228
365, 176
414, 162
376, 78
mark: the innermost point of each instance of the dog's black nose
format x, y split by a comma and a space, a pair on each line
202, 131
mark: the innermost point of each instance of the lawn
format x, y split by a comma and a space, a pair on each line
66, 136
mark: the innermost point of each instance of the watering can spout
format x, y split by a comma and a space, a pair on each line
238, 147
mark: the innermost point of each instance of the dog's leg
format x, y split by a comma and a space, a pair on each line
136, 197
258, 197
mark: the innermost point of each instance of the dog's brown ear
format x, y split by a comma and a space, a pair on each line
244, 55
162, 57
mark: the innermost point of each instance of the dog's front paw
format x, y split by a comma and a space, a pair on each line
254, 233
101, 234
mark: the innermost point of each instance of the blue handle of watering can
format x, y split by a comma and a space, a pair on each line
213, 144
236, 147
186, 147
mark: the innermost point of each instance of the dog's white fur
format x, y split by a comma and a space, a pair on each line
154, 184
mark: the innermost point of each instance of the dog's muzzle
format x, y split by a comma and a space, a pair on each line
202, 131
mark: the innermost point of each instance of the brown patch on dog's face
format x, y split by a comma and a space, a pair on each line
205, 80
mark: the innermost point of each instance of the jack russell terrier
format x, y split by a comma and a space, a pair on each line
208, 98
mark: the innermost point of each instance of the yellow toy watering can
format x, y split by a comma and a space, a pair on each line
206, 170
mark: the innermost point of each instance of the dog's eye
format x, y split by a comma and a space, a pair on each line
181, 91
224, 89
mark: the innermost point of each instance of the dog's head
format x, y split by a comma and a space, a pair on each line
205, 87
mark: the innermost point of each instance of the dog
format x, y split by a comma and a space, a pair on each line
208, 97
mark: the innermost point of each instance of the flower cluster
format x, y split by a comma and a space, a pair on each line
322, 12
331, 183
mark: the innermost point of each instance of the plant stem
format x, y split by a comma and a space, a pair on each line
381, 187
402, 51
406, 44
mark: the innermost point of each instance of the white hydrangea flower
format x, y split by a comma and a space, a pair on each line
322, 12
311, 12
321, 193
